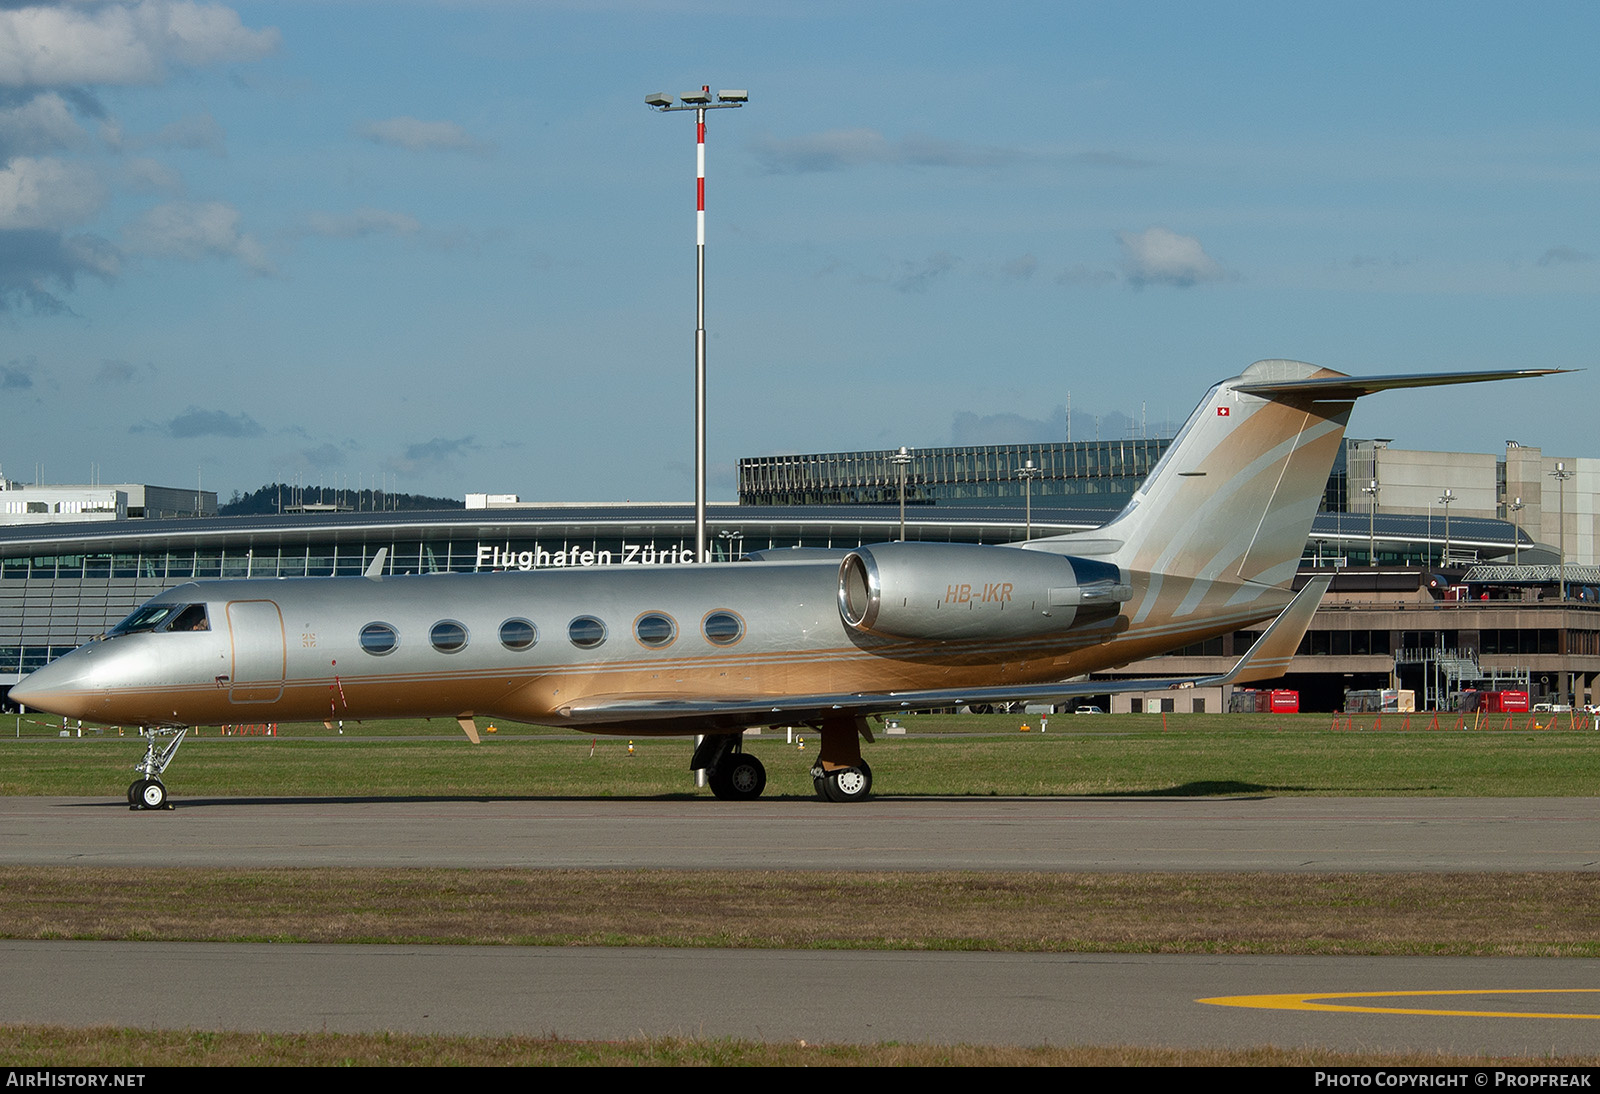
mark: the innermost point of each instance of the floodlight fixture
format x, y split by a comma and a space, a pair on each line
733, 96
659, 99
696, 98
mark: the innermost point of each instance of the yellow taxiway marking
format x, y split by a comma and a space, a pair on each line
1307, 1002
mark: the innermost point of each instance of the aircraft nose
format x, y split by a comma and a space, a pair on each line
59, 688
26, 691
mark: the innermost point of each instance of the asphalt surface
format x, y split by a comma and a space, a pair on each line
1059, 999
782, 995
1230, 834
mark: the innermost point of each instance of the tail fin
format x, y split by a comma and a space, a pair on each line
1233, 497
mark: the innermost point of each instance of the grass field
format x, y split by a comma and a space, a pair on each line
1420, 914
127, 1049
123, 1049
1185, 755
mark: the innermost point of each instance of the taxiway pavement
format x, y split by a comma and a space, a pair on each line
1226, 834
818, 996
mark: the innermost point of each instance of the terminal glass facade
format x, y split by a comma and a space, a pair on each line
1076, 474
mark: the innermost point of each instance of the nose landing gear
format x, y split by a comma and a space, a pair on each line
149, 792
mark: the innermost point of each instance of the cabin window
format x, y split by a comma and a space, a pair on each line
722, 628
379, 638
518, 634
586, 632
655, 629
448, 636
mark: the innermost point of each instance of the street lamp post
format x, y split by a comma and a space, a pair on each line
1445, 499
699, 102
1371, 491
1027, 473
901, 459
1516, 542
1561, 475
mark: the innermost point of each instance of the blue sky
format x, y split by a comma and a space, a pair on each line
446, 245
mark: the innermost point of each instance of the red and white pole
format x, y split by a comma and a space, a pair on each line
699, 103
700, 553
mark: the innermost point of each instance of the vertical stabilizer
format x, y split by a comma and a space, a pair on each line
1233, 497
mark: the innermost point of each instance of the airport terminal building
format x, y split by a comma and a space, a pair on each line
1436, 598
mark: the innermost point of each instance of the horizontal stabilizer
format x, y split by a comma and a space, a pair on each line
1349, 388
1269, 656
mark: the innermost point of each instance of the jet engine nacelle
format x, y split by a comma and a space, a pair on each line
956, 590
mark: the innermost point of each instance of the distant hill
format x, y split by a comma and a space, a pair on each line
277, 496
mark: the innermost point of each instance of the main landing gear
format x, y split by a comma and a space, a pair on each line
734, 774
149, 792
843, 784
840, 774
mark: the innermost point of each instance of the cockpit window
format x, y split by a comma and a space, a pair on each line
148, 618
192, 618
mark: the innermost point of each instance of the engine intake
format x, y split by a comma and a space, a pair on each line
955, 590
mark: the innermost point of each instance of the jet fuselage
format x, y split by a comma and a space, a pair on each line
555, 646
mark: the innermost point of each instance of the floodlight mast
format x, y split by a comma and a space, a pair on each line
699, 102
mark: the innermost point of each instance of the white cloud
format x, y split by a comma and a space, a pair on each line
142, 173
42, 124
198, 422
36, 264
121, 43
360, 222
1557, 255
1020, 268
47, 193
1160, 256
197, 131
195, 230
420, 136
918, 276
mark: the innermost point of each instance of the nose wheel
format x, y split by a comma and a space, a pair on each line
147, 794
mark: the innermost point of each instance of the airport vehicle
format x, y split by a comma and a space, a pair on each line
1209, 544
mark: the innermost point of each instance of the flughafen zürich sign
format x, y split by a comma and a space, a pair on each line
492, 557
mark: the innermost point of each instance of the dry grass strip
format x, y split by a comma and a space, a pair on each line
1533, 914
130, 1050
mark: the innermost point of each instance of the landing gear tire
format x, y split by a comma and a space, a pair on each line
847, 784
740, 778
147, 794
